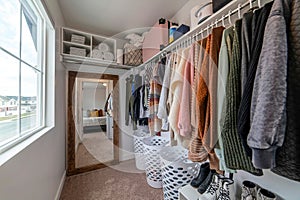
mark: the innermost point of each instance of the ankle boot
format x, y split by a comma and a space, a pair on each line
213, 189
248, 191
204, 185
264, 194
224, 191
203, 172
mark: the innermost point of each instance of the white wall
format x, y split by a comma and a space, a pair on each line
126, 137
35, 173
183, 15
93, 98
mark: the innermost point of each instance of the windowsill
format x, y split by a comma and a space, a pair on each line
10, 153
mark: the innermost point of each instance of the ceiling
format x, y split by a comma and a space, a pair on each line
111, 17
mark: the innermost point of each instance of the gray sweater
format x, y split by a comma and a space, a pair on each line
268, 106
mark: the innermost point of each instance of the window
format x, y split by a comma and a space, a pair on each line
23, 58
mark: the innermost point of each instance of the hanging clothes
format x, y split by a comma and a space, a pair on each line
270, 90
198, 57
128, 95
144, 111
135, 103
154, 122
234, 153
256, 45
223, 71
174, 64
197, 152
184, 121
108, 107
163, 109
206, 96
176, 89
288, 156
246, 39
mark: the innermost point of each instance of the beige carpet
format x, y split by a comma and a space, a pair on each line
110, 184
95, 148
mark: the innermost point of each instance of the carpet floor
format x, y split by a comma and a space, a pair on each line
121, 182
95, 148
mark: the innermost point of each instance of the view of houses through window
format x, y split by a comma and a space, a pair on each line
21, 76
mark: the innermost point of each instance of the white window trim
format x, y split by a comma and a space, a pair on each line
15, 147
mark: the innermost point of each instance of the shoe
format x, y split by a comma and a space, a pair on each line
248, 191
263, 194
203, 172
224, 193
213, 189
205, 184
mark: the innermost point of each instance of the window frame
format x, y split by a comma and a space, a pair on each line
46, 91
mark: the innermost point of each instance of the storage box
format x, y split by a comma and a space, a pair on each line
218, 4
181, 31
132, 55
77, 39
77, 51
157, 36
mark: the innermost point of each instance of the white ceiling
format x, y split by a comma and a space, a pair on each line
110, 17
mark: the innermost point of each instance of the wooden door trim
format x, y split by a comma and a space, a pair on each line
71, 167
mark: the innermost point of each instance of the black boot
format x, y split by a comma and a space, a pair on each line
203, 172
204, 185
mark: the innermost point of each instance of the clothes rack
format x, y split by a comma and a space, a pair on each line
238, 7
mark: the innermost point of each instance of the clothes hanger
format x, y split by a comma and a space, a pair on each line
229, 17
239, 11
223, 22
207, 29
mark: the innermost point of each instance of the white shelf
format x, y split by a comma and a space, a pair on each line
73, 44
92, 61
91, 41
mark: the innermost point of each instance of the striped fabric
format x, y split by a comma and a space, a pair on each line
234, 153
154, 122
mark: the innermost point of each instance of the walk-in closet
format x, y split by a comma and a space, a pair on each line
150, 100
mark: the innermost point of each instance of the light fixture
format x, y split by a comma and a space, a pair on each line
104, 84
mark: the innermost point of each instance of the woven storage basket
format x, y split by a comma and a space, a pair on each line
133, 56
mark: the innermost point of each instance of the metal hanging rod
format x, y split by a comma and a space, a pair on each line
193, 35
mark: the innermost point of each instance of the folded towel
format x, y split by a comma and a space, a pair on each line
120, 53
108, 56
96, 53
129, 46
103, 47
134, 38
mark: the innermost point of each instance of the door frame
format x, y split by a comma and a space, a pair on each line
71, 128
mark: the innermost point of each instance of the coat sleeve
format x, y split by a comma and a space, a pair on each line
268, 106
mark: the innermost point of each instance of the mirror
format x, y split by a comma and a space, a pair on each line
92, 128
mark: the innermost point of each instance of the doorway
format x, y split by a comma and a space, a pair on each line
93, 132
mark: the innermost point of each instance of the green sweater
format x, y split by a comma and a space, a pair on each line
234, 153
